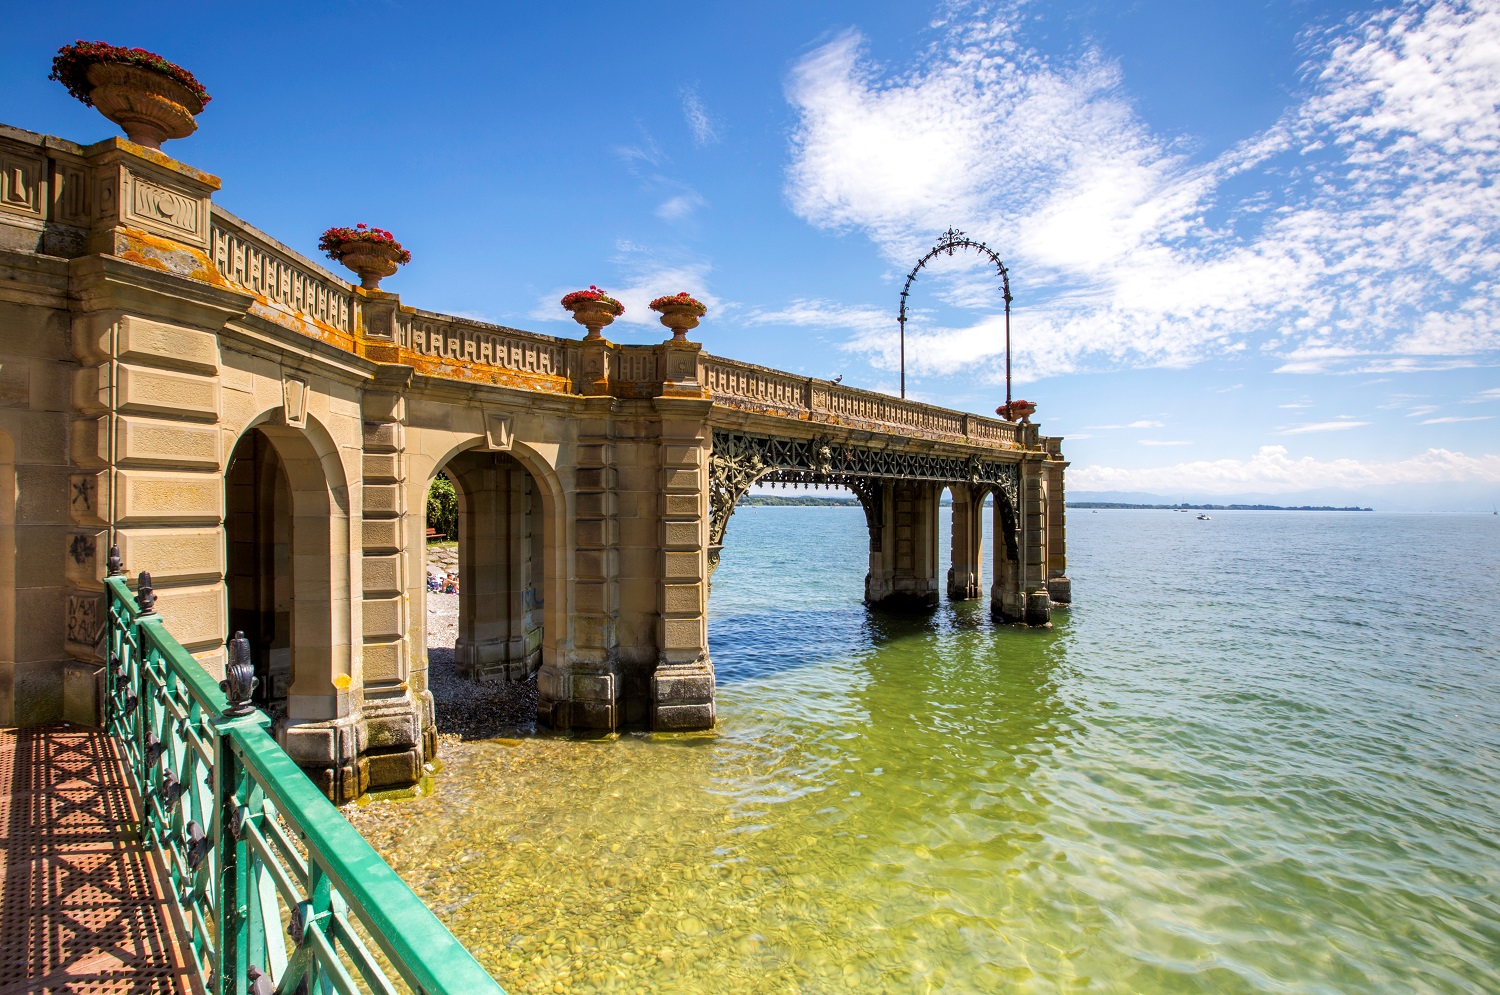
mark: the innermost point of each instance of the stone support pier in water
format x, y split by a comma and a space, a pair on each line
261, 435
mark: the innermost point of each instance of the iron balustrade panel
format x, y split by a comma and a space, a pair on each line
274, 885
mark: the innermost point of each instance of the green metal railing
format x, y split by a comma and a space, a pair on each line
277, 891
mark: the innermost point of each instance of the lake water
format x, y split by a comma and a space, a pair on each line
1261, 754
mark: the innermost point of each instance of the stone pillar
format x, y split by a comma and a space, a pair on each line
499, 636
397, 716
1034, 506
1059, 587
1007, 600
903, 573
682, 688
151, 455
579, 692
964, 576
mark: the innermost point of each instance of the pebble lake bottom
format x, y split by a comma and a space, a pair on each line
1262, 754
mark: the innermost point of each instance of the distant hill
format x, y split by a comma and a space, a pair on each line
778, 501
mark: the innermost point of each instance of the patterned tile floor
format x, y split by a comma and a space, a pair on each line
81, 904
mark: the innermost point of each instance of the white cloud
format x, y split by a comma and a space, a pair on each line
1141, 423
678, 207
1323, 426
1272, 470
1450, 419
1368, 238
1493, 394
1165, 442
697, 117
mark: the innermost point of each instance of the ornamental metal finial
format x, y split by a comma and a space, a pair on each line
240, 677
116, 565
145, 594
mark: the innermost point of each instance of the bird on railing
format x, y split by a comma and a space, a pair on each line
839, 378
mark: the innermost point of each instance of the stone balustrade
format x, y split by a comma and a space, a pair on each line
284, 281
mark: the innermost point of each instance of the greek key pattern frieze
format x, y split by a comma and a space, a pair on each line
489, 345
262, 270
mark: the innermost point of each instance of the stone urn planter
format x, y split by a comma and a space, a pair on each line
593, 309
1017, 411
372, 253
151, 99
680, 313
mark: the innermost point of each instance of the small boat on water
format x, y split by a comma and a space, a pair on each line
1204, 518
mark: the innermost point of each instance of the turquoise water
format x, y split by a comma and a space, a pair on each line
1262, 754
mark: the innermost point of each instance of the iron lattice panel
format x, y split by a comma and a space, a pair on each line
739, 460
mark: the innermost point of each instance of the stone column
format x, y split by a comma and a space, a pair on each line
1059, 587
1007, 600
1034, 506
682, 688
880, 517
579, 692
904, 573
151, 452
964, 576
399, 733
499, 637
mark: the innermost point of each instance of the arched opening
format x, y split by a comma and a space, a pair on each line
286, 526
487, 596
7, 580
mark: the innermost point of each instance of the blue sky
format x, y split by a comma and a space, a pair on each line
1255, 247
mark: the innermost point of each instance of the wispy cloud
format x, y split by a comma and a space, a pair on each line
1126, 252
1273, 470
1142, 423
701, 125
1165, 442
1323, 426
1451, 419
680, 206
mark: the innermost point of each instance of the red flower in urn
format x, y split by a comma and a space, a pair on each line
679, 312
1017, 411
373, 253
593, 309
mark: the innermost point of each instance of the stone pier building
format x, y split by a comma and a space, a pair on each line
260, 435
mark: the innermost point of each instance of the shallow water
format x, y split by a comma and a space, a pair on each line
1262, 754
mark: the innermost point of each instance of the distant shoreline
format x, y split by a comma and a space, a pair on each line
776, 501
1206, 507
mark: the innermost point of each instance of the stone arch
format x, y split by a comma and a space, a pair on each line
7, 579
318, 562
549, 547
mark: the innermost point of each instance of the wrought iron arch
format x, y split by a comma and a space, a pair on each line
950, 241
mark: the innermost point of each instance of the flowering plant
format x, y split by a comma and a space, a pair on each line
1016, 409
592, 294
335, 240
696, 305
70, 67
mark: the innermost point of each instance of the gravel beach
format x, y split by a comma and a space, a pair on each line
464, 708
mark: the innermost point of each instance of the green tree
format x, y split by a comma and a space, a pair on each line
442, 507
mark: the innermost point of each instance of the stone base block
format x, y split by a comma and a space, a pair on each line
343, 783
83, 694
682, 697
393, 769
1060, 590
962, 586
1038, 608
577, 700
683, 718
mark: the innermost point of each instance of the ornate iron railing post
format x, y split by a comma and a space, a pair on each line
241, 935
